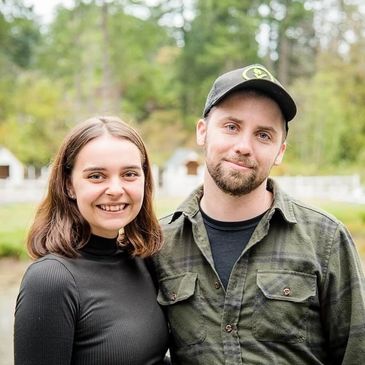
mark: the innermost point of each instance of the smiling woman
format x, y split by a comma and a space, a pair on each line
88, 298
107, 183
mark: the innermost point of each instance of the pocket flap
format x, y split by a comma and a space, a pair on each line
174, 289
286, 285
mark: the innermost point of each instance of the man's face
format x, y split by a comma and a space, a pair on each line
243, 138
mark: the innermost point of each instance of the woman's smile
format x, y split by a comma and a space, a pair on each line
112, 207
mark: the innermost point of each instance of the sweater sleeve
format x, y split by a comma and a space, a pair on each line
45, 315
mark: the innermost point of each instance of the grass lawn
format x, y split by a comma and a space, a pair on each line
16, 218
14, 222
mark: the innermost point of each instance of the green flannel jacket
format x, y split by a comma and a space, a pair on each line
296, 295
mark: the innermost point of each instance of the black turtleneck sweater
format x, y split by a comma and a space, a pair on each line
97, 309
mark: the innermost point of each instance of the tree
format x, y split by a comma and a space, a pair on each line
290, 38
35, 124
219, 38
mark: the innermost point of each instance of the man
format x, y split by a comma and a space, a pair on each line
247, 274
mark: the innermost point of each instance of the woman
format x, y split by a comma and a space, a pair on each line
88, 297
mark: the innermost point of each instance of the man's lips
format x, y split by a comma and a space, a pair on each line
242, 164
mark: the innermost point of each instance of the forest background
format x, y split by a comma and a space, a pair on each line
152, 63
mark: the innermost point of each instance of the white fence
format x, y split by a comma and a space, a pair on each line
336, 188
26, 191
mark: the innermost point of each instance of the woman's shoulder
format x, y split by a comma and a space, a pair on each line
46, 284
50, 271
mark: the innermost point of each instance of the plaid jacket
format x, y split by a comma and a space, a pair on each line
296, 295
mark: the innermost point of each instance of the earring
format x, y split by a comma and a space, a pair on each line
71, 195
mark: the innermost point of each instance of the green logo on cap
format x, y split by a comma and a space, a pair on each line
257, 72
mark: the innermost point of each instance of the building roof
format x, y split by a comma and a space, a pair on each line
182, 156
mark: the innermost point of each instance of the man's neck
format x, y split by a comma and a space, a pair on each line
225, 207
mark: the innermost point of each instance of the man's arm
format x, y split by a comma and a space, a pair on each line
343, 302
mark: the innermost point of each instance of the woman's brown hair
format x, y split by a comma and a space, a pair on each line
58, 226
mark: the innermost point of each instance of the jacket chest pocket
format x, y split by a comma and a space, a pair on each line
179, 295
282, 305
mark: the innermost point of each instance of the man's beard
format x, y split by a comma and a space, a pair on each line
233, 182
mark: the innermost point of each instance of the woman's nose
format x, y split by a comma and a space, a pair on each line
115, 186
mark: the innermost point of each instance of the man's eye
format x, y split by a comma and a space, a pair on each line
265, 136
231, 127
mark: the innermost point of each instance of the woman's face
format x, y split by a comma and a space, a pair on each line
107, 182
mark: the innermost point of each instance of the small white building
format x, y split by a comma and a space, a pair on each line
183, 172
11, 169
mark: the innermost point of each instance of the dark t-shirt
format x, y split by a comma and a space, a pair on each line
227, 241
97, 309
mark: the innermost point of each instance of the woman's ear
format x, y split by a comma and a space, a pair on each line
70, 191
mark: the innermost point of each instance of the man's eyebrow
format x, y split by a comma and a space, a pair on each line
267, 128
231, 118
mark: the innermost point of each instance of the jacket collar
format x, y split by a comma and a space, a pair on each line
282, 204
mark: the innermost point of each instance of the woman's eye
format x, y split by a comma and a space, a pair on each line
131, 174
95, 176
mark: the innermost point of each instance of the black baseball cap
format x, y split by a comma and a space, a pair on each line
255, 77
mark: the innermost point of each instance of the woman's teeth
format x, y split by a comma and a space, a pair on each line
112, 208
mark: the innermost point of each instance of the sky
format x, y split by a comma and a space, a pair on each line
45, 8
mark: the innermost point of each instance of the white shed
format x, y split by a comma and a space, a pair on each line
183, 172
11, 169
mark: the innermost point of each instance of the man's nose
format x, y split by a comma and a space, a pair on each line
243, 144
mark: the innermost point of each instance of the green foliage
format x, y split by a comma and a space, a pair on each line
157, 131
323, 123
35, 122
154, 67
19, 33
221, 37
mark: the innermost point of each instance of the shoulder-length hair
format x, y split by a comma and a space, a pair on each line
58, 226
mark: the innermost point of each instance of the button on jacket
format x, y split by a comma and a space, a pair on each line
295, 295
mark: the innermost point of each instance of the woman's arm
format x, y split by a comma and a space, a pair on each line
45, 315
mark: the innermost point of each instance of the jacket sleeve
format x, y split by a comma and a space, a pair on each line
343, 302
45, 315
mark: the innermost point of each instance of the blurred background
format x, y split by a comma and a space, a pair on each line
152, 63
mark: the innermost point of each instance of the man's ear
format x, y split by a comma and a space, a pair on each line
201, 131
280, 155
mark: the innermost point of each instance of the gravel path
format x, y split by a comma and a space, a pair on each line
11, 272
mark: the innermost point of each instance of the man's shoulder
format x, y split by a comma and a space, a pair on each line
314, 213
302, 211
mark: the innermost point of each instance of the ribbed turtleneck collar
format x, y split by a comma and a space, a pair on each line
101, 246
